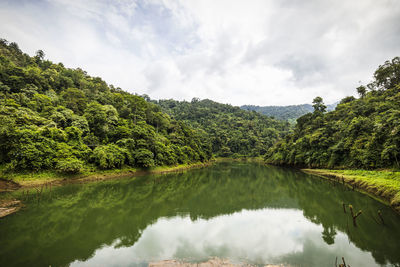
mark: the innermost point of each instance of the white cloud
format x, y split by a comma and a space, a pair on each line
258, 52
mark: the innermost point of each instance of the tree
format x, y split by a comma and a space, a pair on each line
361, 90
74, 99
39, 55
109, 156
388, 74
144, 158
318, 104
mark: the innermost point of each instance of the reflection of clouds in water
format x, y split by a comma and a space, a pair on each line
260, 236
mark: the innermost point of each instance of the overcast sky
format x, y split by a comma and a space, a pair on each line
259, 52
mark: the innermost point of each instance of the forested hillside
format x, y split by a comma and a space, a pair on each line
286, 113
233, 132
52, 117
359, 133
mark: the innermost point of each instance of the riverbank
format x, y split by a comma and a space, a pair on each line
383, 184
13, 181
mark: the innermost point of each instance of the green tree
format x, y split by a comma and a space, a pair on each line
318, 104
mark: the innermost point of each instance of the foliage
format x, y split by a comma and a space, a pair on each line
231, 130
109, 156
52, 117
144, 158
359, 133
70, 165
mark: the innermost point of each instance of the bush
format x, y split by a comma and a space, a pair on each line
69, 165
144, 158
109, 156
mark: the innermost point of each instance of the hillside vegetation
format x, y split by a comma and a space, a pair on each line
52, 117
359, 133
233, 132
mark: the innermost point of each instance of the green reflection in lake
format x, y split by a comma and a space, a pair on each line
242, 211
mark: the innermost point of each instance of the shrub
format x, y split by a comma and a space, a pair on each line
144, 158
109, 156
69, 165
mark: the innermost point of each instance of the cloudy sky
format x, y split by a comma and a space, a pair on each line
261, 52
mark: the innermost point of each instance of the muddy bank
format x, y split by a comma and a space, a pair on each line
9, 206
7, 185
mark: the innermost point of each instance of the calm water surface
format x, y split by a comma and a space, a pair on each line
245, 212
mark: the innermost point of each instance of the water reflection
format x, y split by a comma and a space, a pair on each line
245, 212
254, 236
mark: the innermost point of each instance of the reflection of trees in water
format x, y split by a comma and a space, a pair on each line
84, 217
328, 235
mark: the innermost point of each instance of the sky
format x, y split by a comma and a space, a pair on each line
258, 52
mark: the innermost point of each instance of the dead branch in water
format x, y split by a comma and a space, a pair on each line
354, 216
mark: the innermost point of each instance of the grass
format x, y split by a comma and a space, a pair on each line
384, 184
31, 178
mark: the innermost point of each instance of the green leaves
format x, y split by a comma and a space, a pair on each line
224, 129
70, 165
144, 158
109, 156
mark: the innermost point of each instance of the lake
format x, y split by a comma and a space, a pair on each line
244, 212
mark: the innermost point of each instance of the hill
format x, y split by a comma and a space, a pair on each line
359, 133
233, 132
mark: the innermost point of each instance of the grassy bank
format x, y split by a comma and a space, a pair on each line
383, 184
34, 179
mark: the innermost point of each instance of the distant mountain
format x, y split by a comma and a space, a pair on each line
287, 113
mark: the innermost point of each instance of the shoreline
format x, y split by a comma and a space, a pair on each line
17, 181
25, 180
383, 189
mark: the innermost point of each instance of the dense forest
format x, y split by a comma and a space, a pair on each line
286, 113
52, 117
233, 132
359, 133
